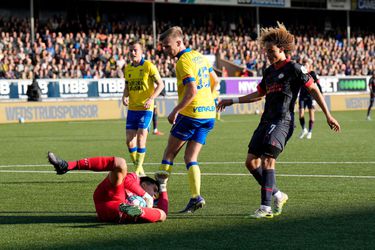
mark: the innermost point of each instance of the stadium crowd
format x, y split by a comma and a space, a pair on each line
98, 49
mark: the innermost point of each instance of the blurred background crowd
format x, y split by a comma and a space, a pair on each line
98, 47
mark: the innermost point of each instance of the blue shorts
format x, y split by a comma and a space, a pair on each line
191, 129
138, 119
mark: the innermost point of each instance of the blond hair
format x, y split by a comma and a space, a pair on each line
279, 36
172, 32
137, 41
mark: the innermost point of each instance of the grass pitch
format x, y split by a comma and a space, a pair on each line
330, 181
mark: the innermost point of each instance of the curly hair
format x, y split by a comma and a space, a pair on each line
279, 36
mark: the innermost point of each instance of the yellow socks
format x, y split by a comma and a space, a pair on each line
133, 155
166, 166
141, 153
218, 116
194, 174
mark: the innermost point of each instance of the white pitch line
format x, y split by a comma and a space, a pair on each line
280, 162
326, 162
165, 121
25, 165
207, 174
219, 163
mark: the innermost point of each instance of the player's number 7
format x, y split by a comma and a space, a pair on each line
272, 128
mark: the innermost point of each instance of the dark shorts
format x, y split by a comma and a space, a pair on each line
270, 138
191, 129
305, 103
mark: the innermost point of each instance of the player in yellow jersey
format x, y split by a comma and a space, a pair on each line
194, 115
143, 84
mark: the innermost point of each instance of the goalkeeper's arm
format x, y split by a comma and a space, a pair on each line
163, 194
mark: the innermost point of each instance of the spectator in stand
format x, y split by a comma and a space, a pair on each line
103, 41
244, 72
224, 72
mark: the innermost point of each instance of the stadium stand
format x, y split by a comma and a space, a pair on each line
98, 47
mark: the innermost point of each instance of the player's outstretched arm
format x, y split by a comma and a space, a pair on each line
253, 97
332, 123
163, 202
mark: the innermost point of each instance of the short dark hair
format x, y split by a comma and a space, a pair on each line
149, 180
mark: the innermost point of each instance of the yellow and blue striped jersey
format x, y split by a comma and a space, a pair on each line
192, 66
140, 80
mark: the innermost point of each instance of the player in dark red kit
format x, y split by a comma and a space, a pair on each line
305, 100
111, 195
371, 85
280, 84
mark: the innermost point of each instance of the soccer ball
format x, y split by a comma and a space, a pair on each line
136, 201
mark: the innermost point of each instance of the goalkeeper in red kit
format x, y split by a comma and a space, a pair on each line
111, 197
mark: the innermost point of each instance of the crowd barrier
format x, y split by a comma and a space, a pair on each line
113, 87
89, 99
103, 109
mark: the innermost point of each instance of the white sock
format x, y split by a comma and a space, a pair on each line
265, 208
155, 130
278, 195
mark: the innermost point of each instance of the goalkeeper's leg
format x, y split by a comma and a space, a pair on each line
93, 164
115, 165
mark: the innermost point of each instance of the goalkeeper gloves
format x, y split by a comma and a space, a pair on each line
162, 178
149, 200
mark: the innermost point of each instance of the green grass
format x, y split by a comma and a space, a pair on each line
43, 210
